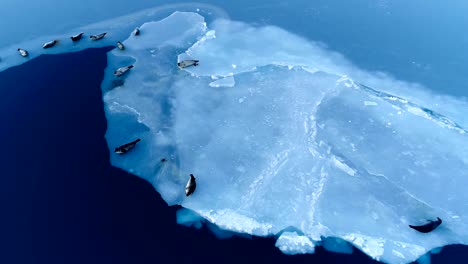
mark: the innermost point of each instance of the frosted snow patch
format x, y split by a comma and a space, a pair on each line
373, 247
291, 243
233, 221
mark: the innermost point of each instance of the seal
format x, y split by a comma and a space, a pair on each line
120, 45
23, 52
191, 185
187, 63
49, 44
426, 228
98, 36
126, 147
122, 70
77, 37
136, 31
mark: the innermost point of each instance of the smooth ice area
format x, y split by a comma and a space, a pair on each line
279, 135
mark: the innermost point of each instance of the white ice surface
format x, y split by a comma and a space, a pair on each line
291, 243
293, 135
227, 81
292, 142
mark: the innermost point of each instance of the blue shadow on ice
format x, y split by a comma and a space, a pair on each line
62, 201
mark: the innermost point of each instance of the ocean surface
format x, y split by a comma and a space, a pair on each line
62, 201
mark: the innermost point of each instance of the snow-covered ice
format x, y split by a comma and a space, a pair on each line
291, 243
286, 146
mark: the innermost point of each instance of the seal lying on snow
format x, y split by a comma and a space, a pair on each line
126, 147
187, 63
77, 37
426, 228
122, 70
23, 52
120, 45
191, 185
97, 37
49, 44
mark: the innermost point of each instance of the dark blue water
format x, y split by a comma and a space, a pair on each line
62, 201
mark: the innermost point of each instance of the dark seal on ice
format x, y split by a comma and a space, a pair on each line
77, 37
120, 45
126, 147
49, 44
191, 185
97, 37
122, 70
187, 63
23, 52
136, 32
428, 227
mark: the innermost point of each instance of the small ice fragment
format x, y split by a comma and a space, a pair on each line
291, 243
